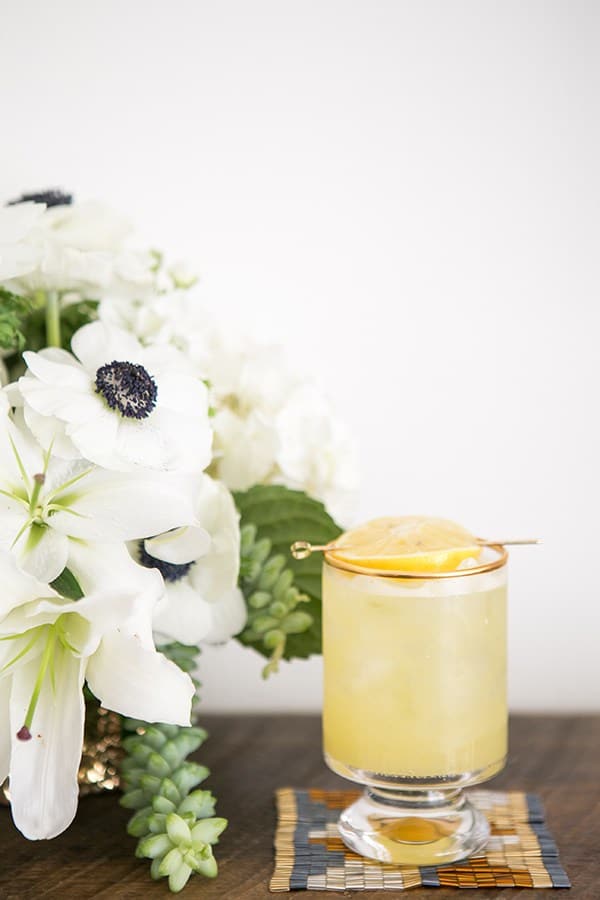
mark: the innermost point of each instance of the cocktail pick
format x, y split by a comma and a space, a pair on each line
303, 549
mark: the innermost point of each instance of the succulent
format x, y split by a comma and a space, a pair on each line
175, 824
271, 597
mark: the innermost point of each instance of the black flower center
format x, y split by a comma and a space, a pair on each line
127, 387
169, 571
50, 198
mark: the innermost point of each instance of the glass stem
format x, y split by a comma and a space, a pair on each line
53, 319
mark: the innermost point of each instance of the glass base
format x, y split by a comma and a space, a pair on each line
414, 782
420, 828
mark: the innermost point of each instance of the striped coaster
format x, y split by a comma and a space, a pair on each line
309, 854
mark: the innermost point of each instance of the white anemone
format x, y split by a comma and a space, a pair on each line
69, 247
48, 647
200, 567
117, 403
17, 255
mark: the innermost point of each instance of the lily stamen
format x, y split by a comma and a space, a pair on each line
45, 661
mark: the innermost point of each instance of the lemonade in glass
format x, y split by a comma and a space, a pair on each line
414, 648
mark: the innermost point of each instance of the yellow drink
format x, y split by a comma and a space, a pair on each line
414, 652
414, 676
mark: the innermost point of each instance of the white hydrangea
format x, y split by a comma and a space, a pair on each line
270, 426
316, 453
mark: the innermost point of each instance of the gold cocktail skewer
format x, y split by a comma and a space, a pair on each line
303, 549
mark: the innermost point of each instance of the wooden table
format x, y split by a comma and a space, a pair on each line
250, 756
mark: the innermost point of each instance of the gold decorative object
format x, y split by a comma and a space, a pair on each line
102, 751
101, 754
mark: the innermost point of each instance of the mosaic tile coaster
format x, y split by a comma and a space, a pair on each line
309, 854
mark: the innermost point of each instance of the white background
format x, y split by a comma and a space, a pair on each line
407, 194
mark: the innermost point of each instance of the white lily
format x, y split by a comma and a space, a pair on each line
200, 567
48, 647
49, 506
117, 403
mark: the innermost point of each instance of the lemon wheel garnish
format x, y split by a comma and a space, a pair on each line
407, 544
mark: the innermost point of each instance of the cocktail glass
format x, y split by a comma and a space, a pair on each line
415, 703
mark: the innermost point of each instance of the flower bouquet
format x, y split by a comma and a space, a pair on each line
154, 467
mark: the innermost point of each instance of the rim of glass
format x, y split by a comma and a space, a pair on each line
497, 563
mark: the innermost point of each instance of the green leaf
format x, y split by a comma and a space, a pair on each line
14, 311
208, 831
284, 516
154, 845
206, 867
23, 325
178, 830
171, 862
67, 585
75, 316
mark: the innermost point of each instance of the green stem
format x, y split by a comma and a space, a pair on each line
35, 494
53, 319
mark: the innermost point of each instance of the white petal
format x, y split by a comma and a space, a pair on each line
88, 620
215, 574
138, 682
108, 569
43, 771
88, 225
116, 506
13, 516
38, 612
44, 553
73, 405
49, 431
96, 344
228, 617
183, 615
18, 219
18, 260
95, 439
217, 571
5, 688
11, 396
187, 440
18, 588
61, 470
183, 545
246, 447
140, 443
57, 368
183, 394
17, 446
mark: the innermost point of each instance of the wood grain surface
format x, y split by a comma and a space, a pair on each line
251, 756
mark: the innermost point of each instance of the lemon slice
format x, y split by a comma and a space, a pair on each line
407, 544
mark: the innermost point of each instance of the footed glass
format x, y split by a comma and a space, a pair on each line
415, 703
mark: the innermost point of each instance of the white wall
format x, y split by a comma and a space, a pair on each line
408, 193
